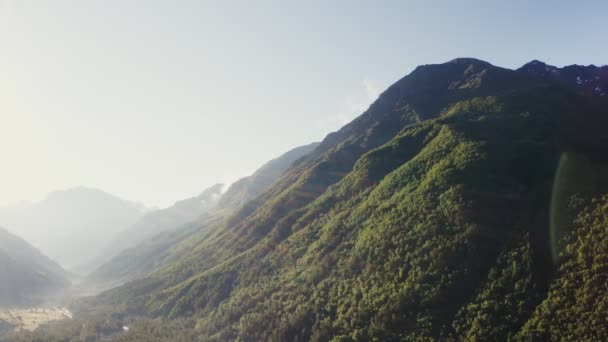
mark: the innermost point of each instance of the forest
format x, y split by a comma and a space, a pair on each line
469, 202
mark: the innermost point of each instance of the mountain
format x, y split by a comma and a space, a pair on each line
71, 225
161, 232
588, 78
27, 275
469, 202
247, 188
157, 221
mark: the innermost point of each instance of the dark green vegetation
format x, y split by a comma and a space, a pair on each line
575, 307
26, 275
429, 217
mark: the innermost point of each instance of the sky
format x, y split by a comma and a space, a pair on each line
153, 101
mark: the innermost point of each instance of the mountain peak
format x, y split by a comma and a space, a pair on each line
469, 60
212, 191
586, 78
535, 62
538, 67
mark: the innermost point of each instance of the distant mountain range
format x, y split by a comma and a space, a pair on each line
71, 225
157, 221
27, 276
468, 203
170, 226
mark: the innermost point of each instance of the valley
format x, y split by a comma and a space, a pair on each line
31, 318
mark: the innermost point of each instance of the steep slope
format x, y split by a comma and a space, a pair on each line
247, 188
167, 246
396, 248
435, 215
439, 188
574, 307
71, 226
145, 257
590, 79
415, 98
157, 221
27, 275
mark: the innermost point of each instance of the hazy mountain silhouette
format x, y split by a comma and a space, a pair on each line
71, 226
157, 221
158, 251
26, 274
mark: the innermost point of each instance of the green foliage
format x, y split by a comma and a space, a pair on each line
575, 307
505, 300
407, 243
427, 218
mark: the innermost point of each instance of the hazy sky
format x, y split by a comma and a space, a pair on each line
155, 100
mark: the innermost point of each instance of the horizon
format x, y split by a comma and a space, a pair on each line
155, 103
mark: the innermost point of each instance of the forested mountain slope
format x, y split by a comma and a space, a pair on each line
26, 274
438, 187
466, 203
166, 245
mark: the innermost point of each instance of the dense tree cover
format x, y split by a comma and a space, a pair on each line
427, 218
394, 259
575, 307
505, 300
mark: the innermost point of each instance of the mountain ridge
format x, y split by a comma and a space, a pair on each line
69, 225
435, 215
157, 250
28, 275
156, 221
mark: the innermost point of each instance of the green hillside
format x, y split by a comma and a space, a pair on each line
179, 235
467, 203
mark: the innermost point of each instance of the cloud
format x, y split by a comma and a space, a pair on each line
372, 90
352, 107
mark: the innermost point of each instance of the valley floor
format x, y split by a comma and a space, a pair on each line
31, 318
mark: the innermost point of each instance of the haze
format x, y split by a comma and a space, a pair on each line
181, 170
154, 101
